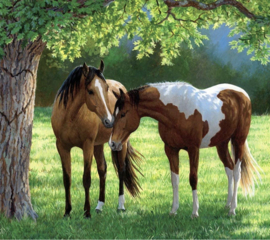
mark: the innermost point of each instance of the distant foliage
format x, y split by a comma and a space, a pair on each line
195, 66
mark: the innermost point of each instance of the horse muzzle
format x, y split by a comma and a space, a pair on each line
108, 123
115, 146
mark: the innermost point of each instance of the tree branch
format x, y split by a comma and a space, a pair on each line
210, 6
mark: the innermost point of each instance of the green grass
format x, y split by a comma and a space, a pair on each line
148, 215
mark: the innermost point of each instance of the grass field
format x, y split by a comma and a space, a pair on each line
148, 215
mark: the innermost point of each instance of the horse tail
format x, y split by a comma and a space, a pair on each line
131, 166
249, 170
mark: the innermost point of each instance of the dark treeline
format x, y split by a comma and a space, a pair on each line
196, 66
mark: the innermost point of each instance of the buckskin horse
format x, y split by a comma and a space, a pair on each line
82, 117
191, 119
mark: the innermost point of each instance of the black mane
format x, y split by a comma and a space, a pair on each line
134, 98
73, 82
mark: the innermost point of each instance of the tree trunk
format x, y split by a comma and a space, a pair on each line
18, 71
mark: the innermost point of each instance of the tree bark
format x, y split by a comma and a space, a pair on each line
18, 71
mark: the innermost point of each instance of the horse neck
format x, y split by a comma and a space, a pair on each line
151, 106
75, 104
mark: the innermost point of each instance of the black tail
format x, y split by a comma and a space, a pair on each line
132, 160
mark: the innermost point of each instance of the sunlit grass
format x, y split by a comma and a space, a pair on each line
148, 215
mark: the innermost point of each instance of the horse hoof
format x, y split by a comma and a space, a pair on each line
231, 213
194, 215
66, 216
173, 213
87, 215
119, 210
227, 207
98, 211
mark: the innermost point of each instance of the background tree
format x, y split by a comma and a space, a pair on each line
64, 27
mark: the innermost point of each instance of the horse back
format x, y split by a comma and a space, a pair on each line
203, 117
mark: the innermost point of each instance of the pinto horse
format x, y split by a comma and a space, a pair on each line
192, 119
82, 117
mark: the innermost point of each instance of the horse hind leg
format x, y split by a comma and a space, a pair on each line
102, 171
237, 150
225, 157
66, 167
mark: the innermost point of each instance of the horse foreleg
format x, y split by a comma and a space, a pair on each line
88, 150
102, 171
193, 153
66, 167
121, 171
172, 155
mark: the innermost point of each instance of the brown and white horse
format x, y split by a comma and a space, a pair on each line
192, 119
82, 117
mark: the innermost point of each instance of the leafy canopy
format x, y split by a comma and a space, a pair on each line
67, 26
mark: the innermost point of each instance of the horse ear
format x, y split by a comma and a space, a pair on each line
122, 95
85, 69
102, 66
121, 92
116, 94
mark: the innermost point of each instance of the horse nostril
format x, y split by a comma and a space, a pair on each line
107, 122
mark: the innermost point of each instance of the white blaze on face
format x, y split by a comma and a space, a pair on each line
116, 111
99, 88
110, 140
188, 99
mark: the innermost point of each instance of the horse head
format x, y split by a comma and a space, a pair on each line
96, 93
127, 121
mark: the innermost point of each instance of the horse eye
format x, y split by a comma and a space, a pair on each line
90, 92
123, 114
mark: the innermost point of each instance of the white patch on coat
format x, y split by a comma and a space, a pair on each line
121, 202
175, 185
195, 210
229, 173
237, 177
99, 87
99, 205
188, 99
